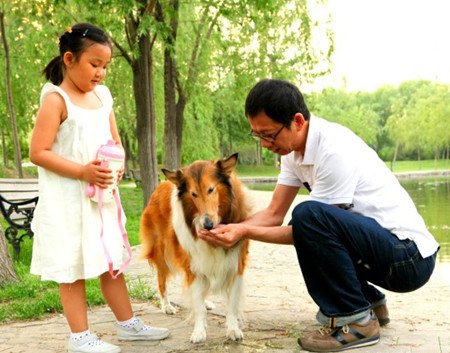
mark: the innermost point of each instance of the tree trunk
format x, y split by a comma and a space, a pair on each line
171, 159
7, 273
258, 153
172, 135
436, 157
394, 159
418, 158
17, 152
447, 157
145, 115
4, 151
128, 156
276, 160
181, 105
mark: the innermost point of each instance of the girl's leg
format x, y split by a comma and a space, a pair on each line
129, 328
73, 299
115, 293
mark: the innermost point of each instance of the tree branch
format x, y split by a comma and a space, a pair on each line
123, 52
150, 8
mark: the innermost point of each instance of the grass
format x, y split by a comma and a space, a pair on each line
399, 167
412, 166
30, 298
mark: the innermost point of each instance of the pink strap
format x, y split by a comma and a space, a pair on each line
122, 229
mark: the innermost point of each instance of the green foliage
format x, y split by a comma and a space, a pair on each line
420, 117
243, 47
131, 198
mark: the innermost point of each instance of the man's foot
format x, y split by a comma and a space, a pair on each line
138, 331
349, 336
91, 344
382, 313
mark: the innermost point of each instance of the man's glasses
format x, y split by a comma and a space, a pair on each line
268, 138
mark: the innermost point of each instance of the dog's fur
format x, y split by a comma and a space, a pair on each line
201, 195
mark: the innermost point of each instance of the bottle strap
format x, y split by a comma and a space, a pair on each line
122, 229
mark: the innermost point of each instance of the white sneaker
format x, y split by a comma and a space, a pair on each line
141, 332
92, 344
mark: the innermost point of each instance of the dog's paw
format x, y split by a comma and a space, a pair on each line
198, 335
168, 309
209, 305
235, 334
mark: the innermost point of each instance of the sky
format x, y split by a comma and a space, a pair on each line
380, 42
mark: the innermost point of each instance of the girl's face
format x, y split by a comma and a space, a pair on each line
90, 68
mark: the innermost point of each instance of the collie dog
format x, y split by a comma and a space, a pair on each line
201, 195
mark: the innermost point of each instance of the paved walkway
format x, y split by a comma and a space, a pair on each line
277, 307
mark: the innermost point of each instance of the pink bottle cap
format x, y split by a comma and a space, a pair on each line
111, 150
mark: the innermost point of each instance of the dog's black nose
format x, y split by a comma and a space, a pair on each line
208, 223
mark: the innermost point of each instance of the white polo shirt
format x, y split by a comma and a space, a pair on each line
342, 169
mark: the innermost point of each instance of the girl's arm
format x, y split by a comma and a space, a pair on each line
116, 137
50, 116
114, 130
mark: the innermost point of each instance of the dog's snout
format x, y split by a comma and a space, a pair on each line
208, 224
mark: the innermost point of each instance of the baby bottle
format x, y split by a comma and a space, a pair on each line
111, 157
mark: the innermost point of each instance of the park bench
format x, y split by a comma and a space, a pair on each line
136, 175
18, 199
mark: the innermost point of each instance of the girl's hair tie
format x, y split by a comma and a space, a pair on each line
69, 29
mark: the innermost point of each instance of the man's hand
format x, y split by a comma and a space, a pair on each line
224, 235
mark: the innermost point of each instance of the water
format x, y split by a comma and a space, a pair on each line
432, 199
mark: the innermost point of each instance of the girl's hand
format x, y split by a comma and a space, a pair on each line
94, 173
120, 175
224, 235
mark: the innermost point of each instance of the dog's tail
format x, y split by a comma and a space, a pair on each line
146, 236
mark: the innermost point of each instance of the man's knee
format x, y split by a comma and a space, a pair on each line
306, 210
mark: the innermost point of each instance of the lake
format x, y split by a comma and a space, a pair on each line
432, 199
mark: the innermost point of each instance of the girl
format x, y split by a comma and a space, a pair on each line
74, 120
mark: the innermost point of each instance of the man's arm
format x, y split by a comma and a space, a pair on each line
262, 226
274, 214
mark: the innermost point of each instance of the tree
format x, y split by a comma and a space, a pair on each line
140, 39
177, 90
139, 34
256, 40
7, 273
17, 152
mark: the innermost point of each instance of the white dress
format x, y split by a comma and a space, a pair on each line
66, 223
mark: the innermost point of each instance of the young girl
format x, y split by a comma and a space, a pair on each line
74, 120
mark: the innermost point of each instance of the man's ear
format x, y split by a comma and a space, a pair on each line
68, 58
299, 120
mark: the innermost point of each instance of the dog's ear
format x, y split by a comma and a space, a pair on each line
227, 165
174, 177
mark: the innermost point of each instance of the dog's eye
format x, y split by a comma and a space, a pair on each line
210, 190
194, 194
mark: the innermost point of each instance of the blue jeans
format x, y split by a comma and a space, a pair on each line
340, 252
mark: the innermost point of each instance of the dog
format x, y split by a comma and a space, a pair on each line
200, 195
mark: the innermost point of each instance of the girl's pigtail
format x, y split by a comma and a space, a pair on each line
53, 72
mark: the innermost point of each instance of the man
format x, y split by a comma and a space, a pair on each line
359, 225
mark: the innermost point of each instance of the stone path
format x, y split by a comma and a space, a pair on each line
277, 308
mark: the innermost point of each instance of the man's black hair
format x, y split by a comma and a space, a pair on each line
279, 99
